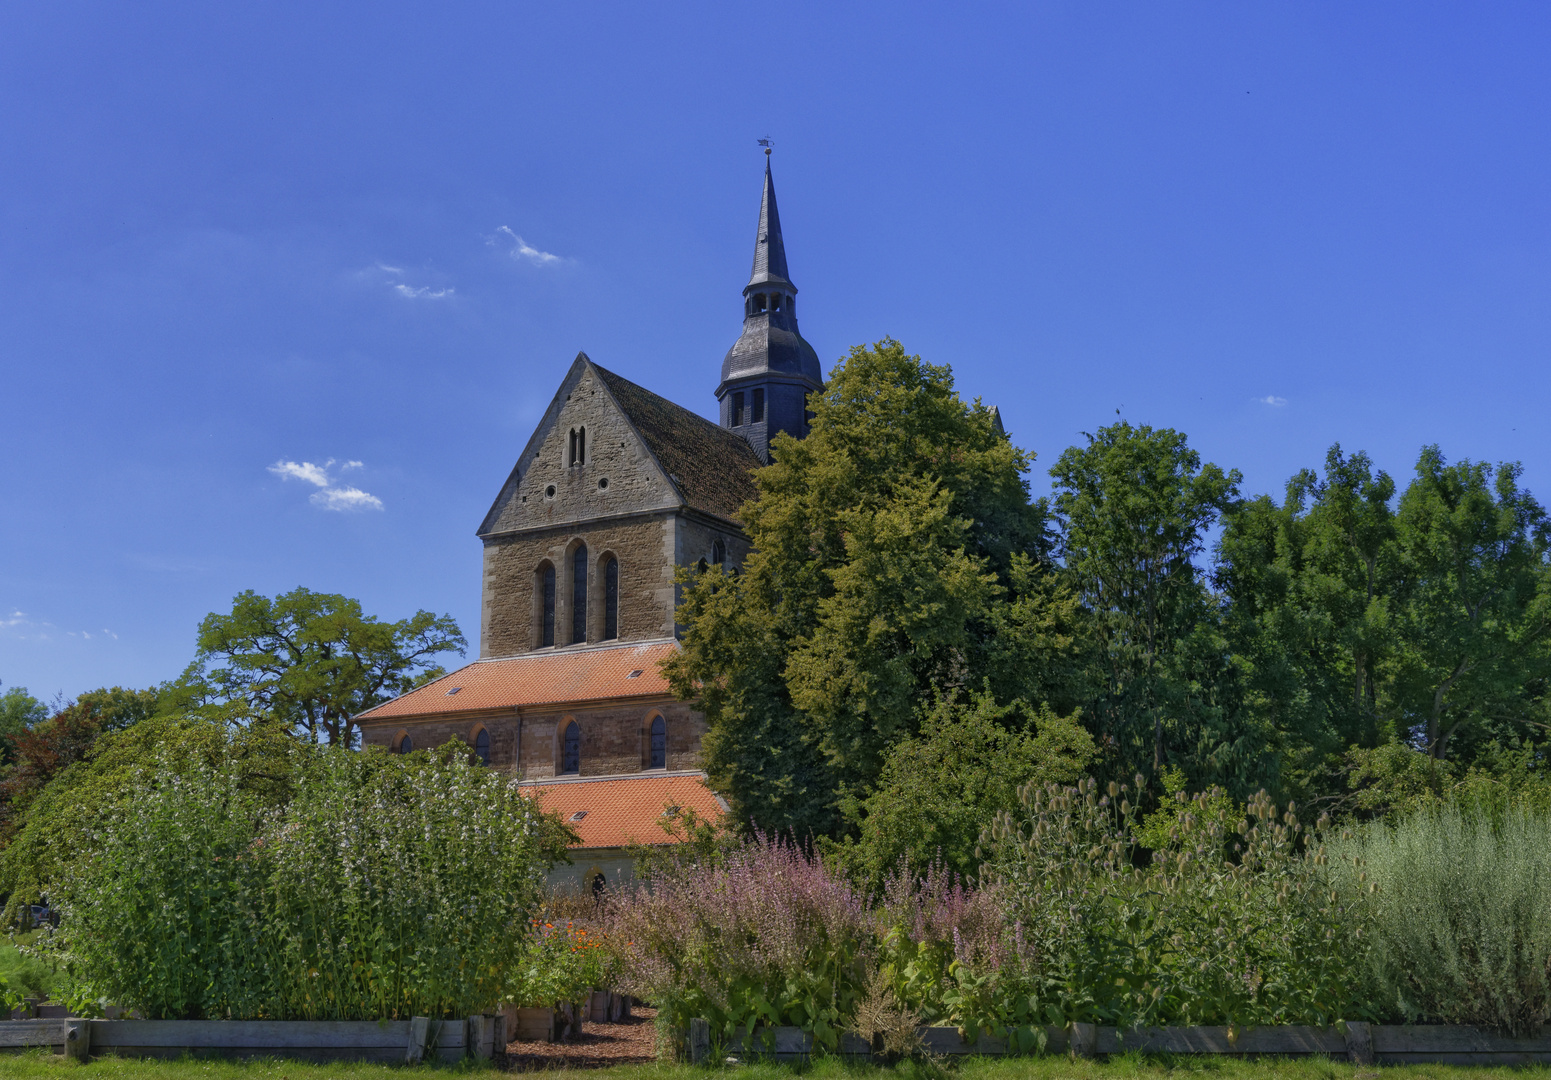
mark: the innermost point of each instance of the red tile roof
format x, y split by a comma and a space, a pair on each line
545, 678
622, 810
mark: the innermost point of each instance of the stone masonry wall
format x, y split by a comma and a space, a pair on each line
615, 739
511, 616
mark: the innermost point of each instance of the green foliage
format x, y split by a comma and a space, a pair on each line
381, 886
311, 661
1224, 925
765, 936
1460, 914
1135, 504
562, 962
23, 976
884, 543
19, 710
80, 801
51, 746
938, 788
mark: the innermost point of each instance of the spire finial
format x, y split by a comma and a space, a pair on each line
769, 144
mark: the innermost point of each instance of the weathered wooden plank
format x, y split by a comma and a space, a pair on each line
1452, 1039
32, 1032
946, 1040
1289, 1040
249, 1034
419, 1032
698, 1045
384, 1054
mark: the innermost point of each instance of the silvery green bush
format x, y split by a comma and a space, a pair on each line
383, 887
1459, 904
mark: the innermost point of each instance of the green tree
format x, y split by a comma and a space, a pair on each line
50, 746
885, 546
19, 710
1473, 661
1310, 587
311, 661
1136, 503
938, 789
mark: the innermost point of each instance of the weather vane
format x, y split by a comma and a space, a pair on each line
768, 143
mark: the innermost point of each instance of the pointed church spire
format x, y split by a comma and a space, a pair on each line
769, 248
770, 370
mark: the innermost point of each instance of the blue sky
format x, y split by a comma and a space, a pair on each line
374, 236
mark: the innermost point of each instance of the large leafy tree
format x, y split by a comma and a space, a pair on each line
1473, 660
50, 746
1135, 504
885, 545
1310, 589
311, 661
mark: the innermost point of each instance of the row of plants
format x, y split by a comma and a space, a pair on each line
300, 882
1204, 912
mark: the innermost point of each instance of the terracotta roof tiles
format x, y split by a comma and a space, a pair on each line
620, 810
541, 678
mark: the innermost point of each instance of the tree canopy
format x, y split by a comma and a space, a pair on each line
311, 661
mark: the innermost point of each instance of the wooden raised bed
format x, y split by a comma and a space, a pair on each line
1358, 1042
408, 1041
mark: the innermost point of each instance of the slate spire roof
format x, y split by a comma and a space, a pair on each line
769, 247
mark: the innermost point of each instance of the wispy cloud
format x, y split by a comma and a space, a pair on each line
1272, 400
20, 625
345, 498
518, 248
334, 495
424, 292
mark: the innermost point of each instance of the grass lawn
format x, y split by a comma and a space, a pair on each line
1134, 1067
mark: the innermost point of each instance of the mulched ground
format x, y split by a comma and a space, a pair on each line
631, 1041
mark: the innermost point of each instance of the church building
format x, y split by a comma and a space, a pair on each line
616, 490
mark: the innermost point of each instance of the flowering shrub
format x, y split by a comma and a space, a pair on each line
561, 962
764, 935
385, 887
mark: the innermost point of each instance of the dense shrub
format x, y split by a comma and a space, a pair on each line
383, 887
1460, 908
1223, 925
561, 962
764, 934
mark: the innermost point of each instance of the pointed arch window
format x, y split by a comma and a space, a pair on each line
482, 746
547, 602
579, 594
659, 744
571, 749
404, 745
718, 552
611, 599
578, 446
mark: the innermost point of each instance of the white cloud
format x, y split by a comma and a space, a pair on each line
347, 498
390, 269
333, 496
521, 249
303, 470
424, 292
1272, 400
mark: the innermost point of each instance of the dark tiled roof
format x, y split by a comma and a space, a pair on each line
710, 464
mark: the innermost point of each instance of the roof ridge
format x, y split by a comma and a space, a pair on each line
569, 650
713, 425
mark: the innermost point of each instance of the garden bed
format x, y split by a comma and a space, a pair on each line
402, 1041
1358, 1042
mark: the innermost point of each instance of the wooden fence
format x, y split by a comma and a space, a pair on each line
409, 1041
1358, 1042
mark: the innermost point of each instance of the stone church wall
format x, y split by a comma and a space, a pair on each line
511, 613
615, 739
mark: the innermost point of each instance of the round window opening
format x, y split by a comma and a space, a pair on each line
603, 483
549, 492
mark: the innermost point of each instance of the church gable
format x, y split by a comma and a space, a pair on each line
585, 461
